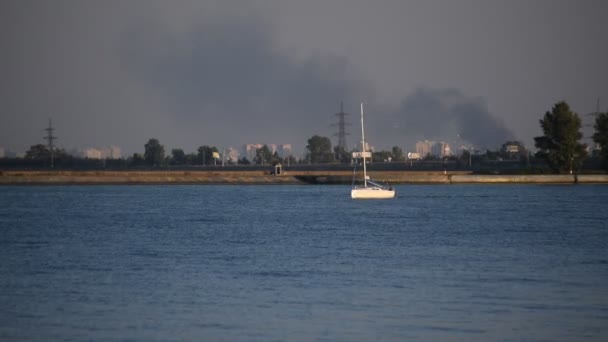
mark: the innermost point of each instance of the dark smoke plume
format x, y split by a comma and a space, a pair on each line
448, 115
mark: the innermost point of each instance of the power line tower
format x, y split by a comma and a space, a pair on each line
50, 137
341, 127
588, 135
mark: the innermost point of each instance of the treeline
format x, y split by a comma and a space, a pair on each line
559, 150
560, 145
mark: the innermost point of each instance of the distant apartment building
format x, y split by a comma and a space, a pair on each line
6, 153
92, 153
441, 149
115, 152
112, 152
283, 150
232, 155
438, 149
248, 150
424, 148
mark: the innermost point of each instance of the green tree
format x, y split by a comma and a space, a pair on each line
600, 136
560, 145
430, 157
178, 157
382, 156
342, 155
275, 158
243, 161
263, 156
319, 150
398, 155
191, 158
38, 152
465, 158
154, 153
137, 159
491, 155
41, 153
205, 155
290, 160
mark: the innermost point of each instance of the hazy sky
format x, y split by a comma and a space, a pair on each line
225, 73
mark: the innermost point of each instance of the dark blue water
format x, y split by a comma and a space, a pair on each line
174, 263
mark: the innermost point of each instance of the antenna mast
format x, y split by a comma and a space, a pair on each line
50, 137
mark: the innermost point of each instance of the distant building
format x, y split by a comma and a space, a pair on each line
438, 149
6, 153
112, 152
92, 153
248, 150
283, 150
424, 148
273, 148
232, 155
441, 150
512, 148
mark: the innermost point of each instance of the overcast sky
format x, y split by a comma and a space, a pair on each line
225, 73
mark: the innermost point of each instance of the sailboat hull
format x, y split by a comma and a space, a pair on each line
371, 193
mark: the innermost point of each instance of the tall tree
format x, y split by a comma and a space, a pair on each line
263, 156
154, 153
382, 156
342, 155
560, 145
178, 157
398, 155
243, 161
136, 160
600, 136
319, 150
38, 152
205, 154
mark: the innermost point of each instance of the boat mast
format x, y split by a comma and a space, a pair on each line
363, 148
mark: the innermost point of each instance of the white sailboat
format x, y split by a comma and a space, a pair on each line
370, 189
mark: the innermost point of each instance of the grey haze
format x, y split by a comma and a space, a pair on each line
226, 73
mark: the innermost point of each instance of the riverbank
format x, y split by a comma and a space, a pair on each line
288, 177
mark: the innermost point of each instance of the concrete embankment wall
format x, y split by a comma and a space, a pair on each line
289, 177
430, 177
141, 177
529, 179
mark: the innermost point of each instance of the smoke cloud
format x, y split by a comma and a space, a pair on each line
189, 75
447, 115
225, 81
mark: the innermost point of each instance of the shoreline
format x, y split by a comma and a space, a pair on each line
288, 177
